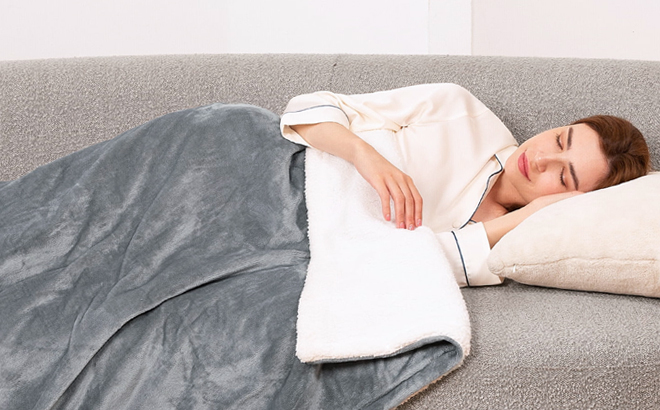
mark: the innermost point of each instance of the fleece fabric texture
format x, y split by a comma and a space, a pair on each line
531, 347
371, 290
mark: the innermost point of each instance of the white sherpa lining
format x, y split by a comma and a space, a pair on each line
371, 290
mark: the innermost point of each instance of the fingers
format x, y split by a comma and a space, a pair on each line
392, 185
385, 202
418, 206
407, 202
399, 205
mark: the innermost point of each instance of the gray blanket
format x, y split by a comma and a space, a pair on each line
162, 269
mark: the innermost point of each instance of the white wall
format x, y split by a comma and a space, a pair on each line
626, 29
74, 28
563, 28
450, 27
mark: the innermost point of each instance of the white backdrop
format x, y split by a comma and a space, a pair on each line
627, 29
559, 28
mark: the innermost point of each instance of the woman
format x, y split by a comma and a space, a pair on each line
476, 183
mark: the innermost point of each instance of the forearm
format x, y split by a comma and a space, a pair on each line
388, 181
500, 226
333, 138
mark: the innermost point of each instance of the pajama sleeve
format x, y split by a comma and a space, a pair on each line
467, 251
388, 110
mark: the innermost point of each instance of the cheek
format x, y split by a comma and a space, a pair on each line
547, 185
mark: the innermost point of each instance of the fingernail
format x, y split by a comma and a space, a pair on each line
402, 225
419, 222
387, 217
410, 227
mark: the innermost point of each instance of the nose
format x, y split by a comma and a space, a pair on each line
543, 160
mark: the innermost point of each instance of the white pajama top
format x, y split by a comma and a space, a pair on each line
454, 148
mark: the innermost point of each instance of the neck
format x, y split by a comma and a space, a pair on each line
503, 194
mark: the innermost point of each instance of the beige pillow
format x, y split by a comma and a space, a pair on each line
604, 241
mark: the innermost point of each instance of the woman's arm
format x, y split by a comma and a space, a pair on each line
390, 109
310, 114
498, 227
388, 180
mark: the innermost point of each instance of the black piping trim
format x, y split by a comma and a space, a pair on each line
462, 260
483, 195
318, 106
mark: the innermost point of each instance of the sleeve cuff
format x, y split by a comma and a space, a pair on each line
312, 115
473, 248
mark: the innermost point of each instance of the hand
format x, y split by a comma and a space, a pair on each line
390, 182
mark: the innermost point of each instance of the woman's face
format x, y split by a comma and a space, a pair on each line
558, 160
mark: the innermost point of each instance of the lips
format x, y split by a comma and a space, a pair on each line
523, 165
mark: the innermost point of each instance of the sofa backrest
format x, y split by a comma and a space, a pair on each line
49, 108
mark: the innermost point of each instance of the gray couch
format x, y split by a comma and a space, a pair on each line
532, 348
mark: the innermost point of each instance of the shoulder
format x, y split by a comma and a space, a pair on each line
450, 94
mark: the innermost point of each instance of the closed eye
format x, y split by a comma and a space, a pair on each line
559, 142
561, 174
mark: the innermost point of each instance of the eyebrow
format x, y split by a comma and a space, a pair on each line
569, 141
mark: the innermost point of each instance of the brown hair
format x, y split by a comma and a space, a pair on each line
624, 147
